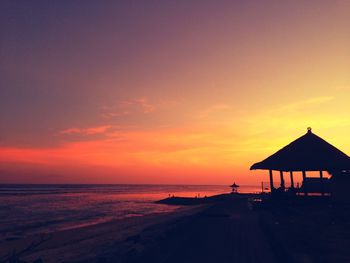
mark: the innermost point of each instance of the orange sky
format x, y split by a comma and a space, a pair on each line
168, 93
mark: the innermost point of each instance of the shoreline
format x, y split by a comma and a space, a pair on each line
49, 246
223, 222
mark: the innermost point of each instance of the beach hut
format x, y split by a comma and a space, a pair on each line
307, 153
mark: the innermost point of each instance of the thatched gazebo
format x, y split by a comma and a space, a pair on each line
307, 153
234, 187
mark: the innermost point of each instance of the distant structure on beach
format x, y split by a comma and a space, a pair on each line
310, 153
234, 187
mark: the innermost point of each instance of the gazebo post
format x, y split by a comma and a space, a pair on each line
282, 179
271, 180
304, 178
291, 179
322, 185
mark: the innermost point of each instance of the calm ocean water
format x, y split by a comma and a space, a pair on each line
30, 209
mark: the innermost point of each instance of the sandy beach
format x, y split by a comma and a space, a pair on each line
225, 231
85, 243
310, 232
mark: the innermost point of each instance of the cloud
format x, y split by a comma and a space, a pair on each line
308, 102
145, 105
342, 88
129, 107
86, 131
214, 109
167, 148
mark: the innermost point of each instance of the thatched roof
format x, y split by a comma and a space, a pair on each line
307, 153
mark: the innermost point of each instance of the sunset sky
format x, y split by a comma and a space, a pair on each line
167, 91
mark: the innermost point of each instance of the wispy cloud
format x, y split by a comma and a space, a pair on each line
86, 131
140, 105
214, 109
146, 106
307, 102
342, 88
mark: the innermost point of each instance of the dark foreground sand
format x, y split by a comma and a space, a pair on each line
225, 231
310, 231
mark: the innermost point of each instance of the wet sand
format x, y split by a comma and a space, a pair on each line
223, 231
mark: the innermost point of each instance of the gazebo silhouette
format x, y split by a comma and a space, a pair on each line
234, 187
307, 153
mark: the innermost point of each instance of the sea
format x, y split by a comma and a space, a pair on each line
32, 209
